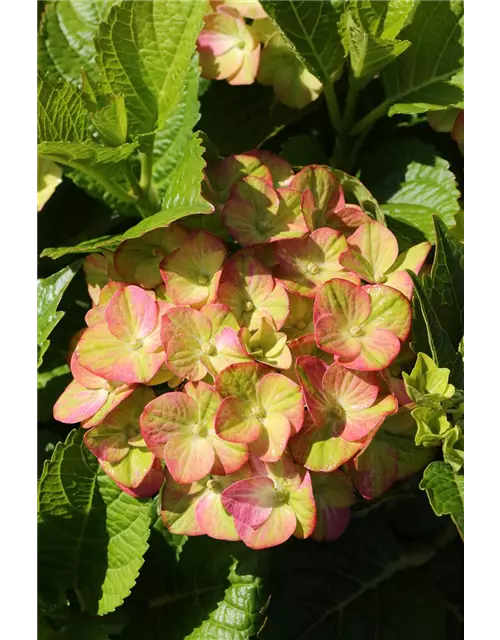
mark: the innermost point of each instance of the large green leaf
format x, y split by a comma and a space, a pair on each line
416, 187
312, 30
143, 51
92, 536
445, 490
49, 293
87, 153
368, 53
445, 286
212, 589
382, 19
358, 587
237, 615
161, 219
65, 39
425, 76
62, 115
429, 336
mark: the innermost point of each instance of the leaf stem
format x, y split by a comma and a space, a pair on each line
333, 106
149, 202
371, 118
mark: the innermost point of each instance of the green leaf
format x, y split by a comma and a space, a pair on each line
360, 586
427, 384
368, 53
62, 115
445, 491
111, 121
432, 426
429, 336
49, 293
311, 29
92, 535
66, 37
184, 182
424, 77
382, 19
427, 187
356, 193
213, 589
143, 52
85, 154
445, 286
237, 615
88, 246
176, 134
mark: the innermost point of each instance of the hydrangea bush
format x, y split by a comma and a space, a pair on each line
250, 319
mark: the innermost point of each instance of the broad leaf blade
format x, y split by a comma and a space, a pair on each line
445, 491
423, 78
92, 536
143, 51
49, 293
312, 30
237, 614
66, 33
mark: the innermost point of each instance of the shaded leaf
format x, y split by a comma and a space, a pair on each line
49, 293
445, 490
92, 536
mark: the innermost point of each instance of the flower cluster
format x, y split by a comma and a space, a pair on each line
240, 44
249, 379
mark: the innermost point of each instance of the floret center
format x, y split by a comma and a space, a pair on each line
209, 348
248, 306
258, 412
312, 268
355, 331
203, 280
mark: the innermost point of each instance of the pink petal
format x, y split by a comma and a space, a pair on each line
272, 439
354, 391
250, 501
131, 314
78, 403
278, 528
189, 458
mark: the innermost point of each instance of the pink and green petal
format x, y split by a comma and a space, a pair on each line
236, 421
281, 170
348, 303
347, 219
377, 350
307, 263
310, 372
138, 261
95, 268
223, 175
102, 353
228, 350
213, 519
169, 414
278, 528
206, 399
300, 319
85, 377
356, 263
241, 380
272, 439
132, 314
277, 394
375, 469
361, 424
377, 245
390, 310
220, 316
318, 449
303, 505
321, 194
333, 335
78, 403
189, 457
131, 470
178, 506
229, 456
115, 397
250, 214
192, 272
250, 501
354, 391
149, 486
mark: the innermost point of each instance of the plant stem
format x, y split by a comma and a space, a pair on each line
350, 105
333, 106
149, 202
370, 118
